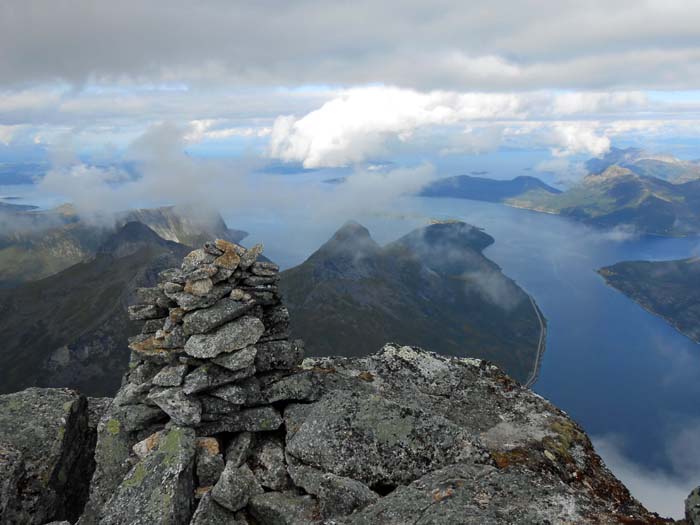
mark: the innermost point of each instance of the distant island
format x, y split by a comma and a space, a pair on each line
669, 289
485, 189
652, 195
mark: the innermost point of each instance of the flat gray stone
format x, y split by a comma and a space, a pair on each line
209, 512
277, 508
182, 409
225, 310
235, 487
159, 488
258, 419
235, 335
170, 376
209, 376
278, 355
241, 359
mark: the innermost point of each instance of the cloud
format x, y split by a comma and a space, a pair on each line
660, 491
448, 45
362, 123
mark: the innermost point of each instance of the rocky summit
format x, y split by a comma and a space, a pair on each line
219, 420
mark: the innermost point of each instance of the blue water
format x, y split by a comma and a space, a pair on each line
615, 368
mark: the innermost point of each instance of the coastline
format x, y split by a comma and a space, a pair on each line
534, 375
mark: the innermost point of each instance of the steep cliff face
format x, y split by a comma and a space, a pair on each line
220, 421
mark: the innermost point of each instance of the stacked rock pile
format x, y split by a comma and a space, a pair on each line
214, 365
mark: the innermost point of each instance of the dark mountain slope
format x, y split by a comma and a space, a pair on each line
669, 289
70, 329
431, 288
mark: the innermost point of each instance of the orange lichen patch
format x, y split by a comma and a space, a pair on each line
516, 456
199, 287
440, 494
144, 447
225, 246
199, 492
228, 260
210, 444
366, 376
176, 314
320, 370
144, 346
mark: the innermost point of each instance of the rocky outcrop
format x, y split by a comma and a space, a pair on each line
692, 507
47, 441
220, 421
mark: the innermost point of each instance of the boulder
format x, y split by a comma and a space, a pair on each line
233, 336
692, 507
235, 487
46, 448
159, 488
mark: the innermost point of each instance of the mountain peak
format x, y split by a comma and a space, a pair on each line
351, 230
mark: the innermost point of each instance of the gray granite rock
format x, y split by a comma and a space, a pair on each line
267, 461
239, 448
141, 312
203, 321
236, 335
242, 359
195, 259
183, 410
170, 376
209, 512
45, 455
264, 269
258, 419
209, 376
390, 443
209, 461
278, 355
245, 392
288, 508
235, 487
692, 507
159, 488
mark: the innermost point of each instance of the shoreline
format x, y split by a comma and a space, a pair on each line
541, 346
647, 309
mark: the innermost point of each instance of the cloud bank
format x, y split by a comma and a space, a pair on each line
441, 45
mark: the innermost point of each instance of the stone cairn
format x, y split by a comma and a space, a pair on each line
215, 347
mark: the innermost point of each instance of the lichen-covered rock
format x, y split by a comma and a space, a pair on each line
692, 507
233, 336
45, 455
377, 441
480, 494
209, 376
209, 512
170, 376
338, 496
235, 487
258, 419
203, 321
158, 489
284, 508
209, 461
239, 360
266, 460
278, 355
182, 409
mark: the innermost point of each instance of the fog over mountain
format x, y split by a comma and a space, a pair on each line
567, 133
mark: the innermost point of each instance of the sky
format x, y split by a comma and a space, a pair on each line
214, 99
342, 85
